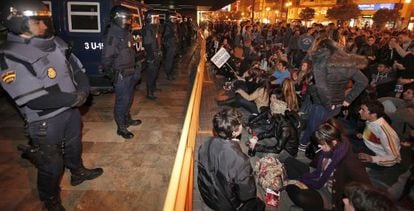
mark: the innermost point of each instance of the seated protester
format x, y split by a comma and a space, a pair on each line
262, 122
281, 73
382, 145
406, 67
337, 166
248, 82
400, 111
249, 56
358, 196
226, 45
282, 129
257, 101
289, 95
304, 81
383, 81
225, 176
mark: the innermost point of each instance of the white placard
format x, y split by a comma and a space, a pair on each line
220, 58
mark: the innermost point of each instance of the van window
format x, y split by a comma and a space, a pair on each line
48, 4
84, 17
136, 18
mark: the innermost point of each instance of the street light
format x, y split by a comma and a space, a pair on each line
277, 15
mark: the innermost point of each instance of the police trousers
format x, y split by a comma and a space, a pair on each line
124, 96
152, 73
169, 60
59, 138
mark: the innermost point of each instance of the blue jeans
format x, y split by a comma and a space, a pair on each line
317, 115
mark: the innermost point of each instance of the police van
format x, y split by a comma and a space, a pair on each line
82, 23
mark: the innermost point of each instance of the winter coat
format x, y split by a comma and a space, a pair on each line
332, 73
225, 176
279, 126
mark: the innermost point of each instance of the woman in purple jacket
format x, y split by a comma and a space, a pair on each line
336, 167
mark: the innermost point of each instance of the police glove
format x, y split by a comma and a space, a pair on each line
111, 74
81, 98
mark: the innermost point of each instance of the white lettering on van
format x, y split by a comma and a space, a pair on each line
138, 42
93, 45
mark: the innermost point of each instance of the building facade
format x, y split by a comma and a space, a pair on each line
367, 7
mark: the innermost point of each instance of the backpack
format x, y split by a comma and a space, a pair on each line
270, 173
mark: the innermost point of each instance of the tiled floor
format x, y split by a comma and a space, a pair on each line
136, 171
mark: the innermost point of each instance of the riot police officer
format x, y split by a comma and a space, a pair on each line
47, 84
118, 58
151, 46
169, 38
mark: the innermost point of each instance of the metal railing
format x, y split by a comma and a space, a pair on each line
180, 189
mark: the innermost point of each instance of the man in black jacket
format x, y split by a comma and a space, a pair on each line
225, 176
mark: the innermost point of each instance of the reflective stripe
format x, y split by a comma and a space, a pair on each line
29, 93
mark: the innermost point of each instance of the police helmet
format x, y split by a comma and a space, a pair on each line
121, 16
17, 14
172, 17
152, 18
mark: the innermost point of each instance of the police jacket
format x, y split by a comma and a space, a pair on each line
41, 76
332, 73
118, 52
225, 176
169, 35
279, 126
149, 41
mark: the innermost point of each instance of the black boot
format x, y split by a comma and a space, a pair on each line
132, 122
53, 204
150, 95
82, 174
122, 131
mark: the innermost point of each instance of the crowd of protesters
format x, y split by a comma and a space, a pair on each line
340, 96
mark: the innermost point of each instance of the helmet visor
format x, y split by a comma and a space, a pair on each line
38, 23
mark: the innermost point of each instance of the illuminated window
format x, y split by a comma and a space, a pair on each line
84, 17
48, 4
136, 17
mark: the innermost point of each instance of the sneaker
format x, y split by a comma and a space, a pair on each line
82, 174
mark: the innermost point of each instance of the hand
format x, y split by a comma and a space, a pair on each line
81, 98
298, 183
365, 157
405, 80
253, 142
359, 135
345, 104
398, 66
371, 58
237, 91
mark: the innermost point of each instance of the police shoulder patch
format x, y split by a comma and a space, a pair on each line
8, 76
51, 73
